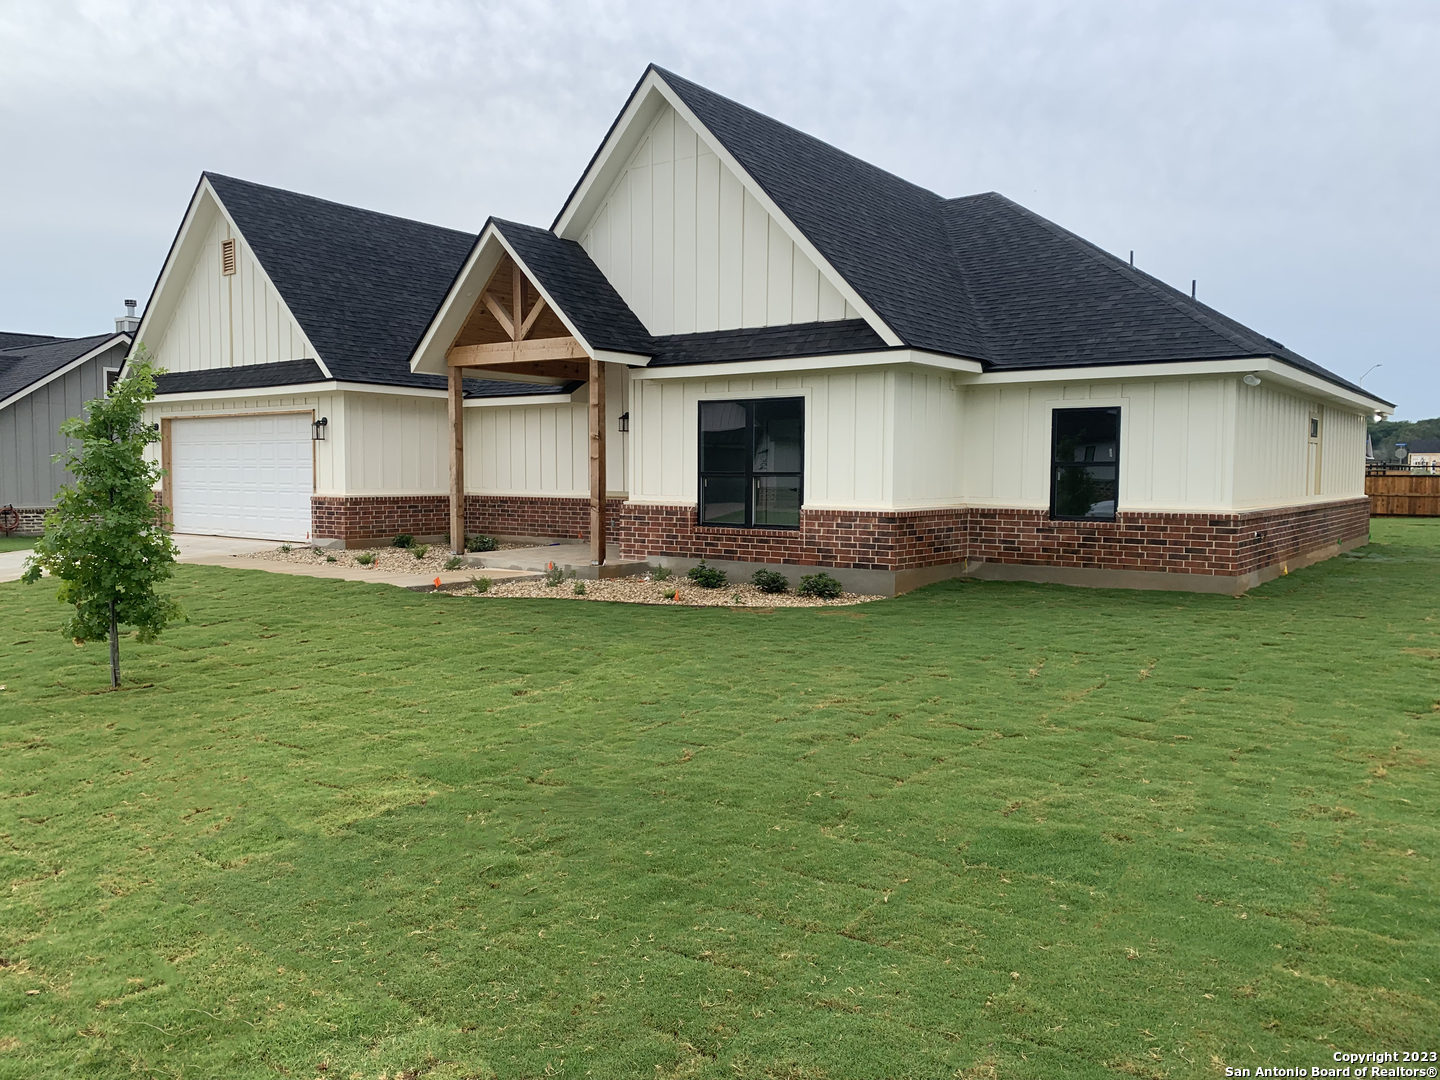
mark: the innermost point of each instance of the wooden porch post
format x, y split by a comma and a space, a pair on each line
597, 463
457, 461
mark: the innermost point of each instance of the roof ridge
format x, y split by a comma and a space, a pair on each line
977, 311
870, 165
211, 175
1159, 289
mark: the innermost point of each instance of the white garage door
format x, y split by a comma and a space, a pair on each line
242, 476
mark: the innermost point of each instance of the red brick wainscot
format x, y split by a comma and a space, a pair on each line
1229, 545
365, 520
846, 539
527, 515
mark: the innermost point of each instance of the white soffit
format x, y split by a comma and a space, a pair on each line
624, 138
1266, 367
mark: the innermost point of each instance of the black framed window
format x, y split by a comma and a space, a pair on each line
752, 462
1084, 464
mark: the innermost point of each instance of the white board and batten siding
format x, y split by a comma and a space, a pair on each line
1187, 445
906, 439
690, 250
543, 449
225, 320
849, 430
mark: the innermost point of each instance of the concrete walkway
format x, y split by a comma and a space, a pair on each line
570, 556
235, 552
11, 564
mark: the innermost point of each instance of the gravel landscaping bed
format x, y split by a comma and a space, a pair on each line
390, 559
643, 589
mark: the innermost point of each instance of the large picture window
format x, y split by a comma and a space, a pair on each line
751, 462
1085, 464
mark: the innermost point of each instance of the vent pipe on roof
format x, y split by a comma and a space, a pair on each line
1132, 256
129, 322
1192, 288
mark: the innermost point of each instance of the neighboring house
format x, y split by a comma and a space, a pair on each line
771, 352
43, 382
1423, 452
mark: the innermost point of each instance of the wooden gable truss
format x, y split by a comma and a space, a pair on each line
511, 333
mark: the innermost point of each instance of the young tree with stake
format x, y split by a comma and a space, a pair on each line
105, 539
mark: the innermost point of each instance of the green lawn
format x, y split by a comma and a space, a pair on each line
982, 830
17, 543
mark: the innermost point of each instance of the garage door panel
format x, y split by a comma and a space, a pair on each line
242, 476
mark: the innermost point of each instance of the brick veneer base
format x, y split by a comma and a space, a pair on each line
359, 520
1240, 547
1244, 548
846, 539
32, 520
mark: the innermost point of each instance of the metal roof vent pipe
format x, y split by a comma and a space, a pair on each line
129, 322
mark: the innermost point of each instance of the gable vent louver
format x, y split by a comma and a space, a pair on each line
227, 257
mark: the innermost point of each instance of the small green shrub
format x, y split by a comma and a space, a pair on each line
554, 576
769, 581
329, 558
707, 577
579, 588
404, 540
284, 547
366, 558
821, 586
660, 573
481, 584
454, 562
671, 593
736, 598
420, 550
481, 543
317, 552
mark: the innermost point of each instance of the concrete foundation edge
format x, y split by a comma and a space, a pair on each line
1094, 578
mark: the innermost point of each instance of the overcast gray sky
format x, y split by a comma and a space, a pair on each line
1285, 154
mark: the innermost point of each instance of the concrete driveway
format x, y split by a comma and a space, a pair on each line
236, 553
193, 549
11, 564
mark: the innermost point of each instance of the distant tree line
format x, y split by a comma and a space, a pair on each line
1384, 434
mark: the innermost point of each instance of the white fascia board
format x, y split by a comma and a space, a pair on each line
158, 303
887, 358
634, 121
610, 160
162, 304
609, 356
25, 391
1265, 366
429, 356
520, 399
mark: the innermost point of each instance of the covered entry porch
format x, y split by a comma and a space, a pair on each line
531, 308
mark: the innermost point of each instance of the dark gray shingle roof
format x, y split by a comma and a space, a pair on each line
363, 285
244, 377
10, 340
767, 343
25, 365
1052, 299
979, 277
297, 372
565, 270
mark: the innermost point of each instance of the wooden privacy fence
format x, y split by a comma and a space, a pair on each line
1402, 492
